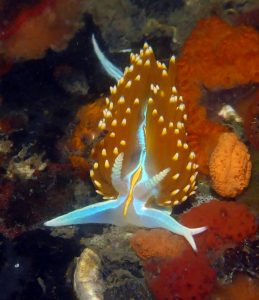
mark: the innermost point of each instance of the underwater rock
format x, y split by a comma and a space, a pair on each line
13, 122
26, 167
5, 147
33, 266
241, 259
250, 194
6, 191
251, 120
249, 17
73, 81
121, 269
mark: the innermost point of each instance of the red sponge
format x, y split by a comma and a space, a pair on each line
228, 222
186, 278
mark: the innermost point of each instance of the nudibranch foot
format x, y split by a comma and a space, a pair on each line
111, 212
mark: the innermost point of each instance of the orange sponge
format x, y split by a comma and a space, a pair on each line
157, 242
50, 24
243, 287
215, 56
230, 166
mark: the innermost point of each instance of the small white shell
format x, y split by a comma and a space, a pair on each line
88, 282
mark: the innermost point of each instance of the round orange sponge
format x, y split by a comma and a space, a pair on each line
230, 166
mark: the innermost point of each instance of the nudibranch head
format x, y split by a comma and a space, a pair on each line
147, 85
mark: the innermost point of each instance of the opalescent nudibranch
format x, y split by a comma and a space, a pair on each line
144, 165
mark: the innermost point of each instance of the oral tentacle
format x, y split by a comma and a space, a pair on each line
109, 67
